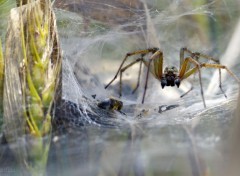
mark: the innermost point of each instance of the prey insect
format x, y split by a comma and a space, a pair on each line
170, 76
111, 104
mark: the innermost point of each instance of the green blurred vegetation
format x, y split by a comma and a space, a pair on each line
5, 7
41, 71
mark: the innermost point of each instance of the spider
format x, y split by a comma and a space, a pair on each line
170, 76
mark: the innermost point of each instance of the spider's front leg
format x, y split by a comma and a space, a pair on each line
216, 64
184, 73
157, 59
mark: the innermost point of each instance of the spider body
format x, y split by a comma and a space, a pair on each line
170, 76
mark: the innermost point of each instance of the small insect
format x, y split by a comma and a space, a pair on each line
111, 104
170, 76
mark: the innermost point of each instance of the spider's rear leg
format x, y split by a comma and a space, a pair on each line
195, 55
219, 67
198, 55
124, 69
143, 52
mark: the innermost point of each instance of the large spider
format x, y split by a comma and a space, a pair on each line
170, 76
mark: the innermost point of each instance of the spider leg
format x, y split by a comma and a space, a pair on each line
157, 57
183, 74
187, 92
220, 83
216, 61
138, 81
143, 52
182, 57
219, 66
158, 64
125, 68
195, 55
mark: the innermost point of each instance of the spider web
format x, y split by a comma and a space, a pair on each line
96, 35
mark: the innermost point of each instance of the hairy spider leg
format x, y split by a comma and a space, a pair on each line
219, 66
183, 74
212, 59
157, 57
146, 51
124, 69
158, 64
182, 57
139, 74
220, 83
197, 55
187, 92
219, 70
